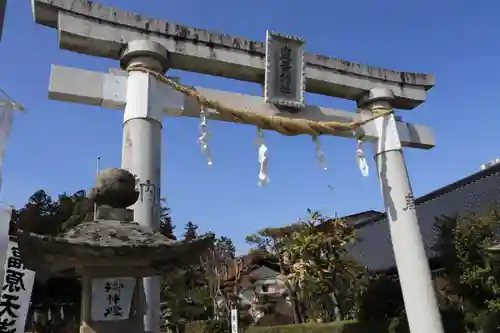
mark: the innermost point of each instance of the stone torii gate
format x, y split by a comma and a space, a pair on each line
93, 29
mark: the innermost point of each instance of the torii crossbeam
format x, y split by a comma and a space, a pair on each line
94, 29
109, 90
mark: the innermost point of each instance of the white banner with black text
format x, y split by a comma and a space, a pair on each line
16, 292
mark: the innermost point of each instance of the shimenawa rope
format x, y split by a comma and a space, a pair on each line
280, 124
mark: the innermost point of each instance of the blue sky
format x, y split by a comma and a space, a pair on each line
54, 146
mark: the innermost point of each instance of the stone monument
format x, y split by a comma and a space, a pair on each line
111, 253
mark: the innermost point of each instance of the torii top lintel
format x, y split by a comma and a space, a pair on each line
94, 29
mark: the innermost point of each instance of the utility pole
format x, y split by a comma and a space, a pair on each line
3, 8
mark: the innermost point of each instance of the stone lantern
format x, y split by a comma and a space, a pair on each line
111, 253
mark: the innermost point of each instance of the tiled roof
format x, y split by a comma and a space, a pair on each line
249, 262
361, 218
476, 193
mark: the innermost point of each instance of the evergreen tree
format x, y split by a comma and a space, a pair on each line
190, 232
46, 216
225, 247
166, 225
472, 274
314, 264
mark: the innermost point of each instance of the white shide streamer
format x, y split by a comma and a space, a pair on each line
205, 137
320, 156
360, 157
263, 159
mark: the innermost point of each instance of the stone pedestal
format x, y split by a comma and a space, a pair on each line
108, 216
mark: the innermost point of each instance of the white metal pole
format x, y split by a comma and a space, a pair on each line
141, 153
98, 165
413, 268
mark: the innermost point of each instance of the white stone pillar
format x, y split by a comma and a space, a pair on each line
141, 152
411, 260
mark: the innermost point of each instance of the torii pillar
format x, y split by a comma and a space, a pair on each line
141, 152
420, 302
